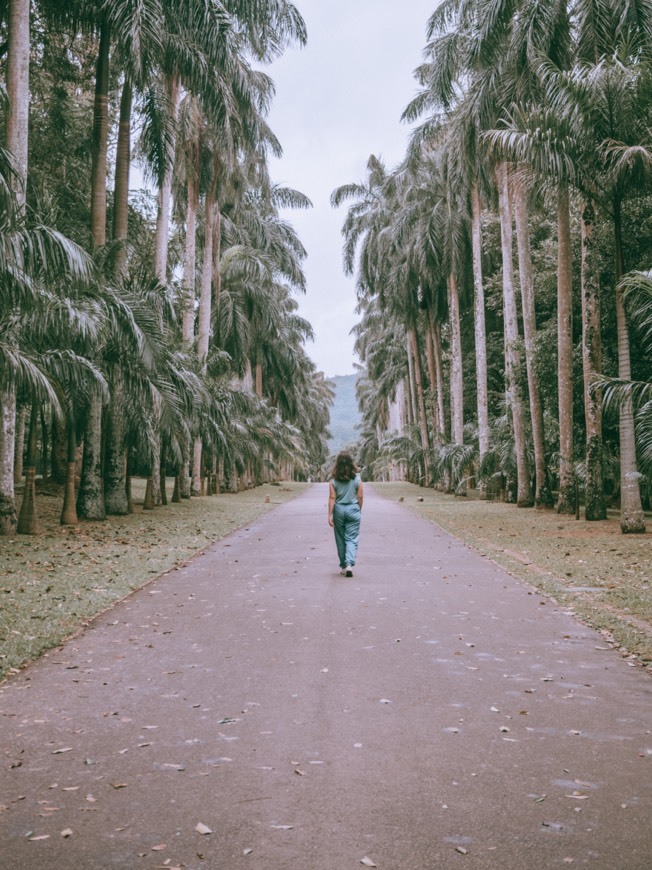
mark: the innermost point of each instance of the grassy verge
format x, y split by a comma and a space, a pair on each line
55, 582
590, 568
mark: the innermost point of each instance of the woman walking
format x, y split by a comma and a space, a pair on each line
344, 507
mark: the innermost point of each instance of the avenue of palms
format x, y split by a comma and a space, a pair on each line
154, 336
502, 266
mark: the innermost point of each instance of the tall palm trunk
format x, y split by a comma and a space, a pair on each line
595, 507
432, 379
524, 496
412, 393
19, 447
188, 302
456, 377
479, 322
217, 252
115, 493
90, 499
28, 519
160, 269
439, 374
100, 139
69, 509
122, 167
632, 519
566, 500
421, 404
190, 258
165, 191
17, 130
204, 320
18, 92
542, 496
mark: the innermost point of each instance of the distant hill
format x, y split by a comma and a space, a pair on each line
345, 414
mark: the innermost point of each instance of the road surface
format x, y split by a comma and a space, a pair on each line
255, 709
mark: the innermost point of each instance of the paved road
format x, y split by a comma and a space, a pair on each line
429, 713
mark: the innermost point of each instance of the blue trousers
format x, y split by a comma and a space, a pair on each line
346, 523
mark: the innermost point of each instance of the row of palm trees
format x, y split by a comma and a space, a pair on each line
148, 336
535, 114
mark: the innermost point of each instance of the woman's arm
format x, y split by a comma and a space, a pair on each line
331, 503
360, 494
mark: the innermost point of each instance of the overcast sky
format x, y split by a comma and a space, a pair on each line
338, 100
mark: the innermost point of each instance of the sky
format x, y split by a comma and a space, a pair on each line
338, 100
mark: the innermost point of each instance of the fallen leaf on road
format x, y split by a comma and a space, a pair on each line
40, 837
368, 862
67, 832
119, 784
159, 848
247, 851
495, 710
63, 749
201, 828
384, 701
504, 728
282, 827
461, 850
577, 796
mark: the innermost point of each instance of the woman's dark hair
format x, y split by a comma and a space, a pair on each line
345, 468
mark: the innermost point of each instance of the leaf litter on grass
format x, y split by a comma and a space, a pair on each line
53, 583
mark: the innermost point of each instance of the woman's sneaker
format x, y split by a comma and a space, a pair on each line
342, 571
349, 571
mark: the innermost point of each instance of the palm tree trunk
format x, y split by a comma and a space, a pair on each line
479, 322
17, 141
421, 404
524, 496
595, 507
566, 500
122, 166
19, 448
432, 377
412, 395
100, 139
69, 509
439, 373
18, 45
90, 499
162, 473
184, 478
542, 496
165, 192
205, 297
192, 196
217, 252
632, 519
8, 519
28, 519
115, 493
195, 487
456, 379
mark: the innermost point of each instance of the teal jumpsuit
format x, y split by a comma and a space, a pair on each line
346, 519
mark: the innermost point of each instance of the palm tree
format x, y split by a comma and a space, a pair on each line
33, 256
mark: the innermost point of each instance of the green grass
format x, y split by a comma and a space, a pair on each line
53, 583
605, 577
